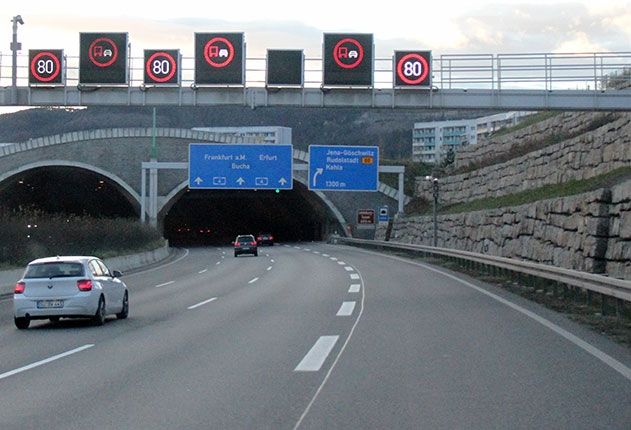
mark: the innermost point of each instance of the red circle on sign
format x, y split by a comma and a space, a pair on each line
357, 62
114, 52
423, 74
56, 71
210, 44
168, 76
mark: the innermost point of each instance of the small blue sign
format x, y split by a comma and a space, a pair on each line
384, 215
343, 168
242, 166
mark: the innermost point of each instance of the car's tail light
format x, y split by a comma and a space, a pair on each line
19, 288
253, 243
84, 285
259, 238
271, 237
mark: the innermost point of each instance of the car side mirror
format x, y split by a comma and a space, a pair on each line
116, 274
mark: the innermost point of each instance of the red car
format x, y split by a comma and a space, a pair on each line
265, 239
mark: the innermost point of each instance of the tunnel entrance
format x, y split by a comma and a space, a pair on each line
203, 217
64, 190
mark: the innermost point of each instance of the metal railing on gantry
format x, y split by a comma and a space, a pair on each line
582, 81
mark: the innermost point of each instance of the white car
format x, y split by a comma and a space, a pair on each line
69, 287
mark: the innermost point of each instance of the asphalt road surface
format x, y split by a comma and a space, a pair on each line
312, 336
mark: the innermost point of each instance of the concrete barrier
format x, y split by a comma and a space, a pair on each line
8, 278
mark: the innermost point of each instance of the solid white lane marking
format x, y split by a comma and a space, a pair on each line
45, 361
202, 303
269, 268
326, 255
203, 271
346, 310
354, 276
313, 361
348, 268
186, 252
253, 280
354, 288
165, 284
341, 263
590, 349
337, 358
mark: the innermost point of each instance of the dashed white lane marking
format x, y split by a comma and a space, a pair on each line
313, 361
348, 268
202, 303
354, 276
165, 284
218, 263
316, 252
306, 249
333, 259
346, 310
341, 263
326, 255
297, 247
272, 260
45, 361
269, 268
253, 280
336, 359
203, 271
354, 288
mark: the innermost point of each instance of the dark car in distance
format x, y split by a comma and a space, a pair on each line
245, 244
265, 239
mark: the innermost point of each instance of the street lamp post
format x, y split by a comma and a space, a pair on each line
15, 47
434, 206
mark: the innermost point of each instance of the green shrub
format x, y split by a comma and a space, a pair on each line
29, 235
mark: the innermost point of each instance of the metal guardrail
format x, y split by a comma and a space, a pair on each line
611, 287
531, 71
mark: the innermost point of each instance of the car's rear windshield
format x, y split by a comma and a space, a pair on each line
54, 270
245, 239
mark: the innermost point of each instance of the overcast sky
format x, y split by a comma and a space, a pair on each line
445, 27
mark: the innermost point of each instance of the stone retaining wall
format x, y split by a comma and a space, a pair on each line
591, 154
562, 124
589, 232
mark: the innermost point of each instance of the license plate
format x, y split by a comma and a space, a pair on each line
47, 304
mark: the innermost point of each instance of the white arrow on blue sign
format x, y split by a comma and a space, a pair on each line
343, 168
242, 166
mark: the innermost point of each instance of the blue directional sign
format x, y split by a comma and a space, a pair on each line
242, 166
343, 168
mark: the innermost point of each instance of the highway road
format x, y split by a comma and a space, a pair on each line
312, 336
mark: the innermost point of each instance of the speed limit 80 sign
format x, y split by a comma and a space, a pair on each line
45, 67
412, 69
162, 67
